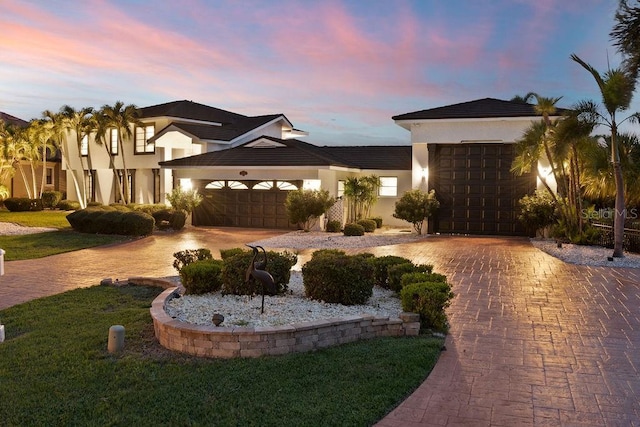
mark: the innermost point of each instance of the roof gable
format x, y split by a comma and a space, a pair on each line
191, 111
478, 109
12, 120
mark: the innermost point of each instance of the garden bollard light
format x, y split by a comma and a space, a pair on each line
116, 339
2, 252
1, 333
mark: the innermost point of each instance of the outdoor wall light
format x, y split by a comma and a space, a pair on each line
244, 173
425, 173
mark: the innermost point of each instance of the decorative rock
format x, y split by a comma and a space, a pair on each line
106, 281
217, 319
116, 339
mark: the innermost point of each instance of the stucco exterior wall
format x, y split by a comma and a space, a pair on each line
456, 131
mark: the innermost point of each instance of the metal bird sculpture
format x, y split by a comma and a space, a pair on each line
262, 276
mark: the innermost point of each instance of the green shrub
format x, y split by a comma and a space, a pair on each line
397, 271
353, 229
201, 277
377, 220
429, 300
169, 218
50, 199
93, 204
304, 207
235, 268
106, 220
23, 204
184, 200
381, 266
537, 211
68, 205
334, 226
416, 205
120, 207
334, 277
228, 253
369, 225
186, 257
409, 278
148, 208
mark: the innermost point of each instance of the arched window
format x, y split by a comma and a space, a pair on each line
234, 185
264, 185
285, 185
215, 185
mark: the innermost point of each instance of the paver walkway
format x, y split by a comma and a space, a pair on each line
533, 341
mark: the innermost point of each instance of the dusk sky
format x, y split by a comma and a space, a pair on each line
337, 69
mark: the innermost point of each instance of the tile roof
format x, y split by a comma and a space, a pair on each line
190, 110
228, 131
478, 109
293, 152
9, 119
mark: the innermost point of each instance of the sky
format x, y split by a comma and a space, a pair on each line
337, 69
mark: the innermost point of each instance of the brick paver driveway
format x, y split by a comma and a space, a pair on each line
533, 341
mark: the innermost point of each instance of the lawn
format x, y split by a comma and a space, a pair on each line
48, 218
55, 370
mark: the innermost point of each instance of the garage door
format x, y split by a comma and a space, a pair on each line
255, 204
477, 192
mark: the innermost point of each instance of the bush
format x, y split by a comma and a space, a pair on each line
169, 218
334, 277
416, 205
107, 220
409, 278
201, 277
186, 257
68, 205
377, 220
228, 253
93, 204
50, 199
23, 204
184, 200
381, 266
397, 271
369, 225
334, 226
237, 263
353, 229
429, 300
537, 211
304, 207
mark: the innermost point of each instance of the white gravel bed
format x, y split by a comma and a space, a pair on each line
323, 240
278, 310
596, 256
11, 229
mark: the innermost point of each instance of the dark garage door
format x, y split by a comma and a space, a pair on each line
477, 192
242, 208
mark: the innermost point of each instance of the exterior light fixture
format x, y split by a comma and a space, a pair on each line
244, 173
425, 173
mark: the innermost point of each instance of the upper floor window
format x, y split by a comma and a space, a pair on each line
341, 188
113, 141
84, 146
388, 186
142, 136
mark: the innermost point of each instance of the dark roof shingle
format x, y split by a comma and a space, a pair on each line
12, 120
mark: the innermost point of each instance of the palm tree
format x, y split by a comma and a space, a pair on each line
57, 124
100, 126
7, 157
122, 118
79, 121
524, 99
626, 35
616, 88
40, 134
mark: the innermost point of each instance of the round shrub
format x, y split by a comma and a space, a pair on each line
186, 257
377, 220
353, 229
369, 225
338, 278
23, 204
178, 220
50, 199
107, 220
168, 218
381, 266
201, 277
334, 226
94, 204
137, 224
397, 271
429, 300
68, 205
409, 278
235, 268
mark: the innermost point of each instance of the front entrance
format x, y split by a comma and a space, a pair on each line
478, 194
255, 204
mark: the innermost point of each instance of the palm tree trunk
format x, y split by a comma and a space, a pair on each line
125, 175
24, 179
618, 221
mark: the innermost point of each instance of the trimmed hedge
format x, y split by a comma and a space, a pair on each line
381, 266
377, 220
334, 277
429, 299
50, 199
334, 226
236, 263
169, 218
396, 272
109, 220
353, 229
23, 204
369, 225
201, 277
68, 205
186, 257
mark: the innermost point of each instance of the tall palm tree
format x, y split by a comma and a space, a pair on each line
21, 148
123, 119
100, 126
79, 121
6, 155
626, 35
40, 134
616, 88
524, 99
57, 124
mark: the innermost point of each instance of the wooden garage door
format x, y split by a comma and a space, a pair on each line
242, 207
477, 192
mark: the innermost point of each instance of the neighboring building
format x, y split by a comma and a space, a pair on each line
54, 176
464, 152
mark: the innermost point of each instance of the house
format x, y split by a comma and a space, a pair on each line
464, 152
53, 175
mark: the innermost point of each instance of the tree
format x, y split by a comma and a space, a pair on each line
100, 125
40, 134
524, 99
415, 206
626, 36
80, 122
361, 194
184, 200
304, 207
123, 119
616, 88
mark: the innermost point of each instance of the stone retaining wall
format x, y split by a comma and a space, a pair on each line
228, 342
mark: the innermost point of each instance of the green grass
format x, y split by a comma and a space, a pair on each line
55, 370
54, 219
31, 246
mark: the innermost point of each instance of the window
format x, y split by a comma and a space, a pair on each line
142, 136
84, 146
284, 185
388, 186
234, 185
156, 185
341, 188
89, 180
113, 141
49, 176
264, 185
311, 184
